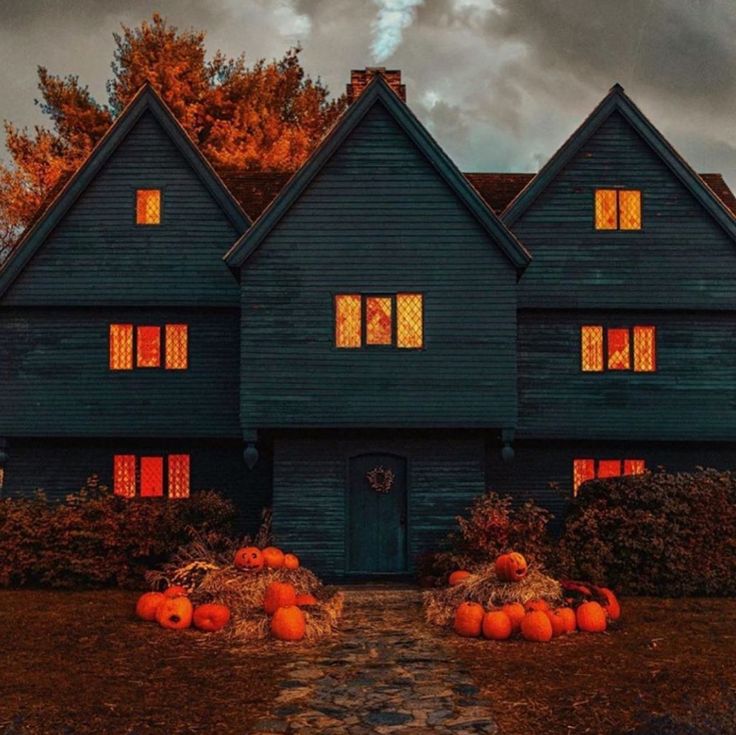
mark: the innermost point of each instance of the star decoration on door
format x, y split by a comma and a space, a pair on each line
380, 479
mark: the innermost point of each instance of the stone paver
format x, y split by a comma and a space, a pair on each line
386, 673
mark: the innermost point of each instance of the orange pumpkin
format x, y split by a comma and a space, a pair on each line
568, 618
536, 626
558, 623
273, 558
147, 605
175, 590
516, 612
249, 557
537, 606
497, 625
175, 613
288, 624
511, 567
591, 617
458, 576
305, 599
211, 617
278, 594
291, 561
469, 619
612, 606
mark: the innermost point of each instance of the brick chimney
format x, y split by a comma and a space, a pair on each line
361, 78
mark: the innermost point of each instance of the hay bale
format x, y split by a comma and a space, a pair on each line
484, 587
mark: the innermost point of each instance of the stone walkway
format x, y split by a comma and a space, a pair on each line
387, 673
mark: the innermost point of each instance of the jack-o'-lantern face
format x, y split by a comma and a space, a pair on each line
249, 557
511, 567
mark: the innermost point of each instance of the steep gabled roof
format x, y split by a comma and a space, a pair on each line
146, 99
617, 101
378, 90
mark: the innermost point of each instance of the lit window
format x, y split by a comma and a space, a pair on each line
148, 207
587, 469
148, 349
347, 320
121, 347
634, 467
617, 209
2, 477
409, 320
645, 358
591, 348
618, 349
177, 339
152, 477
178, 475
609, 468
124, 475
582, 471
378, 322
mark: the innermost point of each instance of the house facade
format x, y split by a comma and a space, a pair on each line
369, 343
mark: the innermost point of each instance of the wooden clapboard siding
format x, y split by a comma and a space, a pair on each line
56, 381
378, 218
98, 255
692, 395
681, 259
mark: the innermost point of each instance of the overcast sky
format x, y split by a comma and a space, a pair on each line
500, 83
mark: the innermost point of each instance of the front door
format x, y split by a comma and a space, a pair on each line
377, 514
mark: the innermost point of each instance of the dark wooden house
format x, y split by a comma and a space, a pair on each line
370, 343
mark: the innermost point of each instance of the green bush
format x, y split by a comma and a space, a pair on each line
492, 526
655, 534
95, 538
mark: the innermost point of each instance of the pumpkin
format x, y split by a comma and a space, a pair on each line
175, 590
273, 558
291, 561
288, 624
536, 626
497, 625
211, 617
304, 599
537, 606
568, 617
511, 567
515, 611
147, 605
612, 607
458, 576
469, 619
591, 617
558, 623
175, 613
278, 594
249, 557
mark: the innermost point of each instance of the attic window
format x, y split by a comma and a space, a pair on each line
617, 209
616, 344
148, 207
588, 469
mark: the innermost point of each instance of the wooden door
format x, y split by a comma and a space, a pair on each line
377, 517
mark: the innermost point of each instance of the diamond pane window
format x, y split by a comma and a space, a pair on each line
605, 209
177, 347
591, 348
629, 210
124, 475
609, 468
2, 477
348, 320
178, 475
148, 347
152, 477
409, 320
378, 320
618, 349
121, 347
148, 207
645, 358
617, 209
582, 470
634, 467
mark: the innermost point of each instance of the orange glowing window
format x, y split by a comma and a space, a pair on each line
378, 320
121, 347
177, 346
618, 349
606, 209
152, 477
2, 477
617, 209
348, 320
124, 475
634, 467
178, 475
609, 468
645, 351
591, 348
148, 347
148, 207
409, 320
629, 210
582, 470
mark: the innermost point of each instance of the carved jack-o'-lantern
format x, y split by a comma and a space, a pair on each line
175, 613
511, 567
249, 557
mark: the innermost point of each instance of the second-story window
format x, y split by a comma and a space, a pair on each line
144, 342
395, 320
618, 348
148, 207
617, 209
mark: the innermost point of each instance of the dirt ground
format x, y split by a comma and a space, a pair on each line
668, 668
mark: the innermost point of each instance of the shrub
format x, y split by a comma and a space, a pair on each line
655, 534
95, 538
492, 526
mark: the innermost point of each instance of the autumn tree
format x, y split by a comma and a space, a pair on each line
267, 116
